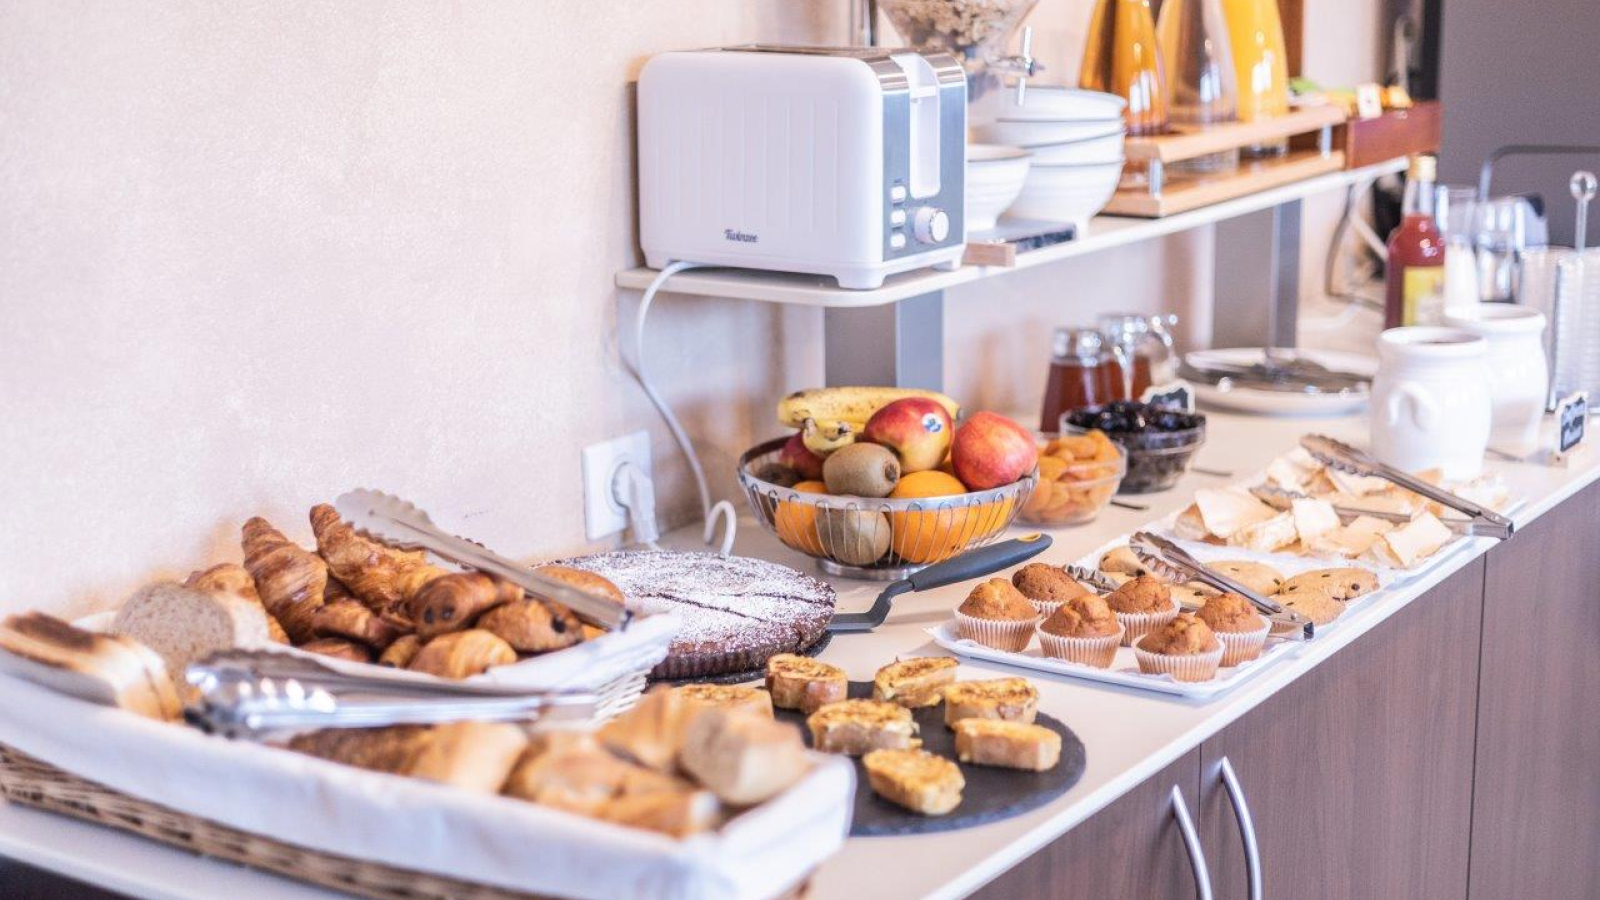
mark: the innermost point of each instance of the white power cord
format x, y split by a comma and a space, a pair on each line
635, 492
711, 512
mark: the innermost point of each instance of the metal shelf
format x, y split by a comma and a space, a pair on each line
1105, 232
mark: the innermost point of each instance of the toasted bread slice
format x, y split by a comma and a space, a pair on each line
104, 669
920, 781
1011, 699
803, 683
914, 683
854, 727
1007, 745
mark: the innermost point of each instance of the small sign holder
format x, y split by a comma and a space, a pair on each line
1572, 420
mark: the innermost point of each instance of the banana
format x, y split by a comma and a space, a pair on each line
853, 405
823, 438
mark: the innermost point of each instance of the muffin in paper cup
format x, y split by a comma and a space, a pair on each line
1047, 608
1089, 651
1185, 667
1137, 625
1243, 646
1010, 635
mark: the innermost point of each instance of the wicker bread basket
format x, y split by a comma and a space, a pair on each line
31, 782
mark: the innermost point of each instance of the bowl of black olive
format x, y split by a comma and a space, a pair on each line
1160, 441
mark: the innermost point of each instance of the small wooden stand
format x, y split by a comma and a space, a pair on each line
1165, 196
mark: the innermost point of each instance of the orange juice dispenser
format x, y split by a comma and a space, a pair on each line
1260, 63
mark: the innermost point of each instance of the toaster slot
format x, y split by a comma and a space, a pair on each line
922, 124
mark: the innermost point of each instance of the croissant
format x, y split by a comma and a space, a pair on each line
533, 626
377, 574
453, 602
351, 620
289, 580
232, 578
462, 654
399, 654
339, 648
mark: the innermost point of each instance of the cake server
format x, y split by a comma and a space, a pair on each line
974, 563
1339, 455
1283, 500
399, 523
256, 694
1175, 564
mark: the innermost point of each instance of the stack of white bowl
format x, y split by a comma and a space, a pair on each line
1074, 141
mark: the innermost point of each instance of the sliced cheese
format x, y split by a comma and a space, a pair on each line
1226, 511
1189, 526
1283, 473
1313, 518
1416, 541
1349, 541
1266, 536
1358, 485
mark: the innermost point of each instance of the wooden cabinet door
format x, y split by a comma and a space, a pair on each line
1131, 849
1359, 774
1536, 805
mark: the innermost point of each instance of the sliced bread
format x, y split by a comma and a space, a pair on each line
184, 625
104, 669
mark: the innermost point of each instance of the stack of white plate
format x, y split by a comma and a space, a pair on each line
995, 174
1075, 140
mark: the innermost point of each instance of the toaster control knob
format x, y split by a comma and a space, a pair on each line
931, 225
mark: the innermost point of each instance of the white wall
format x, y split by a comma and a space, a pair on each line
255, 253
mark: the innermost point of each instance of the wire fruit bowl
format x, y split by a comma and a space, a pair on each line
871, 538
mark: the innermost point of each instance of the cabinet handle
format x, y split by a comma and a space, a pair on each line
1191, 843
1247, 827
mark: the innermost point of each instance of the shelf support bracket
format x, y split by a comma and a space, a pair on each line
1256, 285
893, 344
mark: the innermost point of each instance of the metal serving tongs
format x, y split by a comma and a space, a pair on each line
1339, 455
1283, 500
1175, 564
397, 522
256, 694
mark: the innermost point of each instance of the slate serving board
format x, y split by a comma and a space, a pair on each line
991, 794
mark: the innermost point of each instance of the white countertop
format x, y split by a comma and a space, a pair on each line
1129, 734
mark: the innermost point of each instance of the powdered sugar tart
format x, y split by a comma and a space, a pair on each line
736, 612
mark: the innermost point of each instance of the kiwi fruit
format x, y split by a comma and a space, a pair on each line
861, 470
855, 537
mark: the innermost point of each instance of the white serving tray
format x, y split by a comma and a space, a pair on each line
1124, 669
421, 826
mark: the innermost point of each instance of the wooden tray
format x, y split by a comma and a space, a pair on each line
32, 782
1166, 195
1398, 132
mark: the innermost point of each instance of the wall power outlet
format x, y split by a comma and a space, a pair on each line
602, 514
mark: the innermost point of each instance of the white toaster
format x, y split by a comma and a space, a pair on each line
847, 162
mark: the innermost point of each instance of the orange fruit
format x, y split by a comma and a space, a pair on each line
927, 537
796, 523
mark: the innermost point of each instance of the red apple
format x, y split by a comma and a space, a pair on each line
797, 456
991, 450
917, 429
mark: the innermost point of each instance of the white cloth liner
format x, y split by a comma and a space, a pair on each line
418, 825
588, 665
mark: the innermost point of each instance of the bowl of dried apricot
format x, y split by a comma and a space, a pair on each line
1079, 473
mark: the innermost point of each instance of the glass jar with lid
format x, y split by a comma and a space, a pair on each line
1086, 369
1146, 342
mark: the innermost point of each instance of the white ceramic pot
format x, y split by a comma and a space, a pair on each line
1430, 401
1519, 377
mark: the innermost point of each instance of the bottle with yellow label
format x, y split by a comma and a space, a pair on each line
1415, 294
